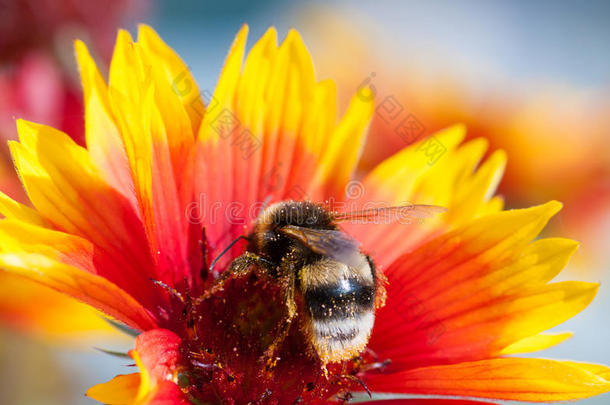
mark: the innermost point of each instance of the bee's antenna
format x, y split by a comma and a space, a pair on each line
226, 250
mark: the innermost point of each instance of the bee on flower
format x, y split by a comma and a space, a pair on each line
301, 302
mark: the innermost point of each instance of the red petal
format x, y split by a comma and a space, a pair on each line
158, 352
470, 293
167, 393
68, 191
269, 134
77, 252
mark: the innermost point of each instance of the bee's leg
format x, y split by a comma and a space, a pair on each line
357, 380
268, 357
188, 312
345, 397
372, 354
377, 363
171, 290
241, 267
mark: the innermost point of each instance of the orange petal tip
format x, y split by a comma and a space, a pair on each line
122, 389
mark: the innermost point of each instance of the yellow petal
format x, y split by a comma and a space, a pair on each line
419, 174
474, 291
268, 136
532, 380
147, 385
344, 147
536, 343
17, 236
176, 73
129, 77
12, 209
91, 289
41, 311
255, 79
104, 142
395, 178
471, 196
121, 390
90, 75
440, 184
513, 228
68, 191
229, 77
174, 105
544, 308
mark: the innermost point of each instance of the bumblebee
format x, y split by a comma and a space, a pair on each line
299, 245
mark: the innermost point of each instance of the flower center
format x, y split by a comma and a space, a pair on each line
226, 341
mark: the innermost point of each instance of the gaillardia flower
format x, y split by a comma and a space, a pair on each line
131, 223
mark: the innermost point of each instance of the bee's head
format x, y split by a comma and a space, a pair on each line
266, 238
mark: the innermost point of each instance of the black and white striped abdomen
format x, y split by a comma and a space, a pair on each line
342, 316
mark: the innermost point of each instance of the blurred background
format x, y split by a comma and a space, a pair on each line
531, 77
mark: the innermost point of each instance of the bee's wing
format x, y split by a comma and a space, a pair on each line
385, 215
334, 244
